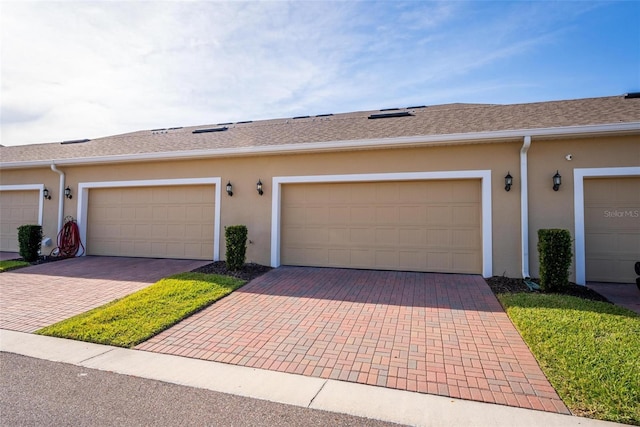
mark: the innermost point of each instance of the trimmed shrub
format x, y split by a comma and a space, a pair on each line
236, 239
554, 248
29, 241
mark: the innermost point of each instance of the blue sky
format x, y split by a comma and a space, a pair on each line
72, 70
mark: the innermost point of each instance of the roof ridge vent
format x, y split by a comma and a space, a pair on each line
246, 121
415, 107
75, 141
389, 109
324, 115
632, 95
301, 117
222, 129
390, 115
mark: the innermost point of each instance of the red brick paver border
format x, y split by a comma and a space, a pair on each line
432, 333
41, 295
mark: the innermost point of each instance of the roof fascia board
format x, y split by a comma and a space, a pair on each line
447, 139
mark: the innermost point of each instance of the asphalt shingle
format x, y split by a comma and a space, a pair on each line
433, 120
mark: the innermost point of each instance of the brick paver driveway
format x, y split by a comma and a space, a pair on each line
38, 296
434, 333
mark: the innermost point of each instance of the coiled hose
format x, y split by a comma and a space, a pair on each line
69, 242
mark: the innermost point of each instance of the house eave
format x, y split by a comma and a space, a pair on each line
628, 128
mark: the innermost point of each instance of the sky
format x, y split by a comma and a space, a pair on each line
75, 70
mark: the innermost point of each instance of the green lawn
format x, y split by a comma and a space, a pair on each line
590, 351
12, 265
141, 315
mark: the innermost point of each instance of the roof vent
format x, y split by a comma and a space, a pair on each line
75, 141
389, 115
246, 121
389, 109
224, 124
177, 127
415, 107
325, 115
632, 95
222, 129
158, 130
301, 117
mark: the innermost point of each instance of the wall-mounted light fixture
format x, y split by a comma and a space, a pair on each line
508, 181
67, 193
557, 180
229, 189
46, 194
259, 187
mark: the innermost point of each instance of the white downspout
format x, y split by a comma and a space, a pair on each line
60, 196
524, 207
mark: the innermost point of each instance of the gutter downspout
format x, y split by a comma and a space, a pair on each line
60, 196
524, 207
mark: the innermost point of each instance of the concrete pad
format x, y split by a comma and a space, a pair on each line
249, 382
49, 348
418, 409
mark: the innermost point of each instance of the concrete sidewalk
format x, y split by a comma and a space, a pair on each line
380, 403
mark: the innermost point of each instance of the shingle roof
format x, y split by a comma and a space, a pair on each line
429, 121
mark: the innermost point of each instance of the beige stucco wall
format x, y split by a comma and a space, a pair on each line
547, 208
551, 209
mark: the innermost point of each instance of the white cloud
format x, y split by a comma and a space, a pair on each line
87, 69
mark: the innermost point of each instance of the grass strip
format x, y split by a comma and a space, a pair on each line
135, 318
7, 265
589, 351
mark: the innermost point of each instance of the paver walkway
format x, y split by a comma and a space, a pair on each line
41, 295
433, 333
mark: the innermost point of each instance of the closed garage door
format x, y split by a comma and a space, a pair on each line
414, 225
612, 229
155, 222
16, 208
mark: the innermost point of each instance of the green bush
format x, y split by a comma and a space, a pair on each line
554, 248
29, 240
236, 238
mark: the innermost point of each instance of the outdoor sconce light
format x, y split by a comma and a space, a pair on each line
508, 181
259, 187
557, 180
67, 193
229, 189
46, 194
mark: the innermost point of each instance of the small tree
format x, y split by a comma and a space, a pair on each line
554, 248
236, 239
29, 241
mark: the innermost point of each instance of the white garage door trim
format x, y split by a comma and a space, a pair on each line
83, 200
22, 187
578, 209
483, 175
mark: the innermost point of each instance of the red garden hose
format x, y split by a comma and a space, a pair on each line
69, 240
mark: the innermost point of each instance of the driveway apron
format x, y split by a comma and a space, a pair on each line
441, 334
41, 295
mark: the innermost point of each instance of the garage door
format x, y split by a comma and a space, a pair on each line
612, 229
16, 208
414, 225
155, 222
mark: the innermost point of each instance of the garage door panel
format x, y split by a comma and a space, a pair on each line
612, 228
338, 257
413, 236
17, 207
362, 215
411, 215
389, 225
387, 236
159, 222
